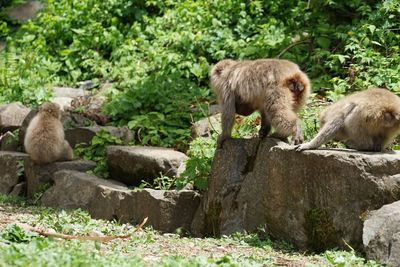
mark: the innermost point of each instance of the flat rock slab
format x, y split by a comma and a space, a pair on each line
69, 92
38, 176
132, 164
84, 135
314, 199
108, 199
11, 116
381, 235
11, 170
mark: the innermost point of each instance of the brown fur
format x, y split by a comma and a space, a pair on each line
44, 139
367, 121
276, 88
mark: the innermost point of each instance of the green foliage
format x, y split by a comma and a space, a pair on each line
198, 166
370, 51
14, 200
45, 252
158, 53
15, 234
347, 259
96, 151
21, 80
39, 193
161, 183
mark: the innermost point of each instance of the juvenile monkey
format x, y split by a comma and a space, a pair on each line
276, 88
44, 140
368, 120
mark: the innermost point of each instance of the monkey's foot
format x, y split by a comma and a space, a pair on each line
302, 147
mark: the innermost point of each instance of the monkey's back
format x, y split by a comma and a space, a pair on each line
44, 138
371, 107
255, 78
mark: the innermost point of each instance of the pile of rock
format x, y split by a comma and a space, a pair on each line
316, 199
70, 184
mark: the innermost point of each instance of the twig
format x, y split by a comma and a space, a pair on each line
45, 233
139, 227
69, 237
206, 115
291, 46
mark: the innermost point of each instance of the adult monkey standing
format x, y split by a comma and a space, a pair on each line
276, 88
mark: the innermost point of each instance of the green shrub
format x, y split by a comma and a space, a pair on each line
96, 151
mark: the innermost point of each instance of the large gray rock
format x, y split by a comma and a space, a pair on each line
85, 134
313, 199
11, 116
108, 199
206, 127
25, 11
73, 189
381, 234
11, 170
167, 210
38, 176
131, 165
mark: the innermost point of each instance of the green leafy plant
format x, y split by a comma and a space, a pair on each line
198, 166
161, 183
20, 80
15, 234
96, 151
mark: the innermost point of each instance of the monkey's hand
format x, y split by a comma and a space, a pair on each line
302, 147
297, 134
298, 139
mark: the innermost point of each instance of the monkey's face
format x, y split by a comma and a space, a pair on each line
295, 86
51, 109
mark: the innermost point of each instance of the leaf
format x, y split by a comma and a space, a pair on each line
78, 31
323, 42
371, 28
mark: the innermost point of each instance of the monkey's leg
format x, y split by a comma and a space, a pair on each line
328, 131
227, 119
286, 123
265, 125
67, 153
